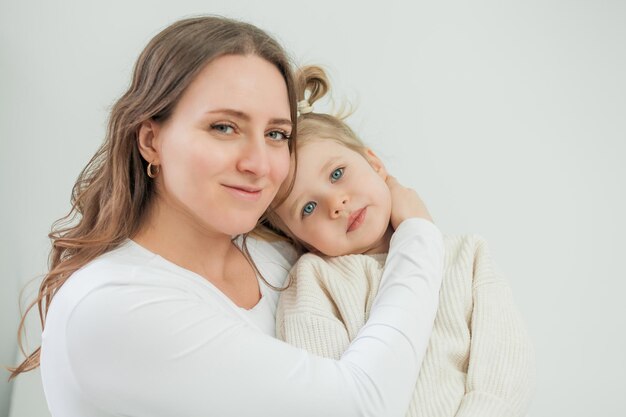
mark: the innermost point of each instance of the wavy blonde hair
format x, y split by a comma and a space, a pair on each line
113, 190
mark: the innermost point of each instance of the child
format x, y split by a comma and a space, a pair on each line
479, 360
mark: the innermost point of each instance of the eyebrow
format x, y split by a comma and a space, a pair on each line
325, 167
246, 117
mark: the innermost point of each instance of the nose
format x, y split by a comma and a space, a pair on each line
254, 156
337, 205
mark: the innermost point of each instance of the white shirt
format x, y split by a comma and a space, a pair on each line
132, 334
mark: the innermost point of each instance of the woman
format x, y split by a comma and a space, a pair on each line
152, 309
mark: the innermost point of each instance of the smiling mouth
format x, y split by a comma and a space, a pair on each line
244, 192
356, 219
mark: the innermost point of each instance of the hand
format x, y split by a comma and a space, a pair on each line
405, 203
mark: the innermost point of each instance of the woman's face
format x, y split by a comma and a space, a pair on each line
224, 151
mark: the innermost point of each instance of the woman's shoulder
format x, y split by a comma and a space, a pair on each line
114, 267
129, 268
118, 263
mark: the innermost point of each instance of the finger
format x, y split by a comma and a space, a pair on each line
391, 180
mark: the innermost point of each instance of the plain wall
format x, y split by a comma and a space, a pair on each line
509, 118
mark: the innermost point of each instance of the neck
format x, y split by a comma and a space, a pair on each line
180, 238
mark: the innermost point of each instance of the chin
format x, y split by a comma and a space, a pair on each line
376, 241
235, 223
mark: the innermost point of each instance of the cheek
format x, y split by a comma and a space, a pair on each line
382, 196
188, 165
204, 162
313, 233
387, 198
324, 238
280, 161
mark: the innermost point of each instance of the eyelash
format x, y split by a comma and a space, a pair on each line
304, 213
217, 126
286, 136
340, 169
332, 180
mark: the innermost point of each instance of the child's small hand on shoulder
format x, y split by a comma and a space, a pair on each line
405, 203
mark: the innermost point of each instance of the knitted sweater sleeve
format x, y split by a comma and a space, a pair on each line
322, 335
327, 302
307, 316
500, 373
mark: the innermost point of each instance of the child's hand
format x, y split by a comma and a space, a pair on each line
405, 203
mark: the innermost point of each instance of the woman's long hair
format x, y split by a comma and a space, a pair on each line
113, 190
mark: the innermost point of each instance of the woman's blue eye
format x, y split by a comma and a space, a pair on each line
308, 208
336, 174
223, 128
278, 135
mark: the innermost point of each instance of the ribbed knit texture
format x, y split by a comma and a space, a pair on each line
479, 362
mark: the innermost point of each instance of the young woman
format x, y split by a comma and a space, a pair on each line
479, 360
151, 308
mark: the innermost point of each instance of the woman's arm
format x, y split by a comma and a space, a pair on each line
149, 351
500, 374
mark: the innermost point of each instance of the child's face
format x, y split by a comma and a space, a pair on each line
339, 203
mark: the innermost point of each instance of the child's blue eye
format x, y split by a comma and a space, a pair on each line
336, 174
308, 208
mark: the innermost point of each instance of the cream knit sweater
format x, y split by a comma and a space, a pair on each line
479, 361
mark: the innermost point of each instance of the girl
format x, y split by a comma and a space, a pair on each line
479, 360
151, 308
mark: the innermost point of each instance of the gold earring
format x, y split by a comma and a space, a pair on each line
149, 170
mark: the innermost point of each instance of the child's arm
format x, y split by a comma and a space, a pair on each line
500, 373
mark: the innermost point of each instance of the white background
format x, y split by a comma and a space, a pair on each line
508, 117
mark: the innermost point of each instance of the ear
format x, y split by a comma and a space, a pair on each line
376, 163
147, 141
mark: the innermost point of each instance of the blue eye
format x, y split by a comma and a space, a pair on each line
308, 208
336, 174
223, 128
278, 135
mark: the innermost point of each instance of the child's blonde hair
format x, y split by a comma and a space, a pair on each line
311, 85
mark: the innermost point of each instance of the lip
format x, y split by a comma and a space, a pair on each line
244, 192
356, 219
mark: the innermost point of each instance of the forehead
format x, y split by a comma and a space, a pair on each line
313, 156
317, 152
246, 83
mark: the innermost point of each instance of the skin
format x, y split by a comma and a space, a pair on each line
223, 155
340, 203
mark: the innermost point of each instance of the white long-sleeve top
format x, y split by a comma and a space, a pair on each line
132, 334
